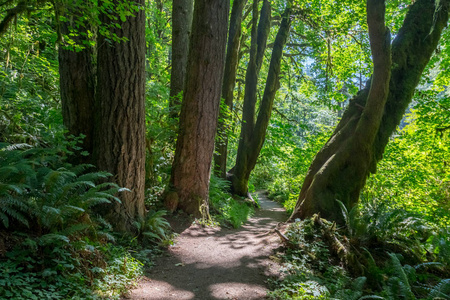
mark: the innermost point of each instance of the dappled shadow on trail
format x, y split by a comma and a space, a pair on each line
214, 263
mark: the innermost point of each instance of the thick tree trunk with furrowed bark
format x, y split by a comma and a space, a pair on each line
199, 109
340, 169
119, 145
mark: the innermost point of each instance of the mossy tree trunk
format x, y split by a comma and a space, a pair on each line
253, 133
229, 80
119, 145
200, 108
340, 169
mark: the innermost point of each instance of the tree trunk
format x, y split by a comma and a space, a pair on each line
252, 137
229, 80
200, 108
259, 35
340, 169
181, 29
77, 83
119, 145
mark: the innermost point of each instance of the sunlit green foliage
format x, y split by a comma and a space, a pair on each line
62, 246
29, 105
372, 270
225, 209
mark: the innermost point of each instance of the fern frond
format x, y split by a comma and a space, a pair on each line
108, 196
71, 230
10, 188
79, 169
107, 236
442, 290
51, 238
55, 179
102, 222
15, 147
12, 212
107, 185
403, 281
94, 176
96, 201
5, 220
73, 208
14, 208
77, 185
428, 264
344, 211
152, 235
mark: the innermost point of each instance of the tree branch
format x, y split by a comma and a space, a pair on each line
11, 14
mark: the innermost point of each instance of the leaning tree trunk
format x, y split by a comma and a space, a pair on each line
250, 146
340, 169
259, 35
119, 145
229, 80
77, 82
199, 109
181, 29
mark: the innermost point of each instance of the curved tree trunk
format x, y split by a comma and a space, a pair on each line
229, 80
181, 29
259, 34
77, 83
340, 169
252, 138
119, 145
199, 109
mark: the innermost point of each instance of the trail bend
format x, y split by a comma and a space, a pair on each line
217, 263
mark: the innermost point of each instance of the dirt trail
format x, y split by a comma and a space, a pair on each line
214, 263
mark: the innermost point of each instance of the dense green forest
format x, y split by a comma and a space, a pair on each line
115, 114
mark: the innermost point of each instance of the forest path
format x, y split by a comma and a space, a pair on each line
217, 263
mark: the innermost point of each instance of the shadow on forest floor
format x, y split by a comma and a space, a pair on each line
217, 263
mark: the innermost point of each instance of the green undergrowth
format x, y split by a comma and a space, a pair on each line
52, 243
224, 208
380, 254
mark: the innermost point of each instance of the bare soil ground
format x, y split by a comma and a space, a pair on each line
217, 263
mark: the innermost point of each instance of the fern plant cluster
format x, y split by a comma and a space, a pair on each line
379, 254
52, 244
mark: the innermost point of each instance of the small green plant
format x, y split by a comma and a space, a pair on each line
226, 209
155, 227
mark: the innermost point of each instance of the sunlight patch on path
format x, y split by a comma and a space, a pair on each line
236, 290
153, 289
218, 263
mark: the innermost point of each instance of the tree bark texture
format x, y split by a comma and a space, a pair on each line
200, 107
120, 115
229, 80
77, 83
181, 28
253, 138
340, 169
